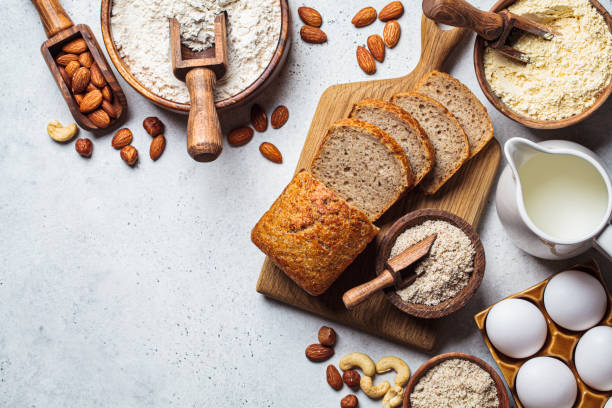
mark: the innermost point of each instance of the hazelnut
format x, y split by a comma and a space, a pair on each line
350, 401
327, 336
153, 126
351, 378
84, 147
129, 154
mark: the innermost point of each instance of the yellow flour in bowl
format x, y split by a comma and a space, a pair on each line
567, 74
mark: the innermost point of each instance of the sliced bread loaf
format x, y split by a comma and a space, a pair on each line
403, 128
446, 134
463, 104
312, 234
363, 165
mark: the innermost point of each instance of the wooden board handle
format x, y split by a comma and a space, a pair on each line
204, 137
358, 294
53, 16
460, 13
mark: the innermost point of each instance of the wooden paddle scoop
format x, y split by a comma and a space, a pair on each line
493, 27
391, 275
200, 71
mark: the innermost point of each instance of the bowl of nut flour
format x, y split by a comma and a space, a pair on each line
137, 37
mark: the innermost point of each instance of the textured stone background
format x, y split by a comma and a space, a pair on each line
124, 287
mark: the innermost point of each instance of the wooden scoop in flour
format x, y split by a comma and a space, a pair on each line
200, 71
493, 27
391, 275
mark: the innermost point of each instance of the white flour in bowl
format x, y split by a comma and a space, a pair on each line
142, 37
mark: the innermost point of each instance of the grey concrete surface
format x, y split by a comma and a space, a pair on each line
135, 287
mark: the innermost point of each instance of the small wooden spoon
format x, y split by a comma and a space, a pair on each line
391, 275
200, 71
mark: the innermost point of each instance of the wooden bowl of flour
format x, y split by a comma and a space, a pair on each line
479, 51
448, 306
248, 94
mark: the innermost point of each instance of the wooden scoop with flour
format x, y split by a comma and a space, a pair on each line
200, 71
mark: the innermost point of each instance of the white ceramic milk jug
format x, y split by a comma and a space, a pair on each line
555, 199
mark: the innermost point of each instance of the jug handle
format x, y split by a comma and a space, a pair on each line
603, 243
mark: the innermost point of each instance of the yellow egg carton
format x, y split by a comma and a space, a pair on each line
560, 342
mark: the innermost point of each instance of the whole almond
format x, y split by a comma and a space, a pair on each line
310, 16
318, 352
122, 138
240, 136
350, 401
65, 59
91, 101
129, 154
280, 116
80, 80
72, 67
99, 118
391, 11
312, 35
96, 76
364, 17
158, 144
376, 47
77, 46
79, 98
333, 377
86, 59
259, 119
365, 60
84, 147
67, 78
90, 87
270, 152
109, 108
391, 33
107, 94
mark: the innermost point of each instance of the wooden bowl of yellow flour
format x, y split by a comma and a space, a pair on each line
569, 77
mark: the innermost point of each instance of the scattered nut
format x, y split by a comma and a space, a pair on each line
327, 336
350, 401
271, 152
153, 126
158, 144
376, 47
240, 136
333, 377
61, 133
77, 46
129, 154
371, 390
396, 364
86, 59
122, 138
391, 33
394, 397
318, 352
310, 16
360, 360
391, 11
351, 378
364, 17
365, 60
259, 119
280, 116
313, 35
84, 147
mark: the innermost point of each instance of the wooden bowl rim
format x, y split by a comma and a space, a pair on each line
450, 305
524, 120
502, 394
275, 62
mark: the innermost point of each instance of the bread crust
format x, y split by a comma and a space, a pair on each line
451, 117
312, 234
386, 140
473, 149
406, 117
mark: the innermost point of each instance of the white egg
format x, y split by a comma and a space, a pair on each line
593, 358
516, 327
545, 382
575, 300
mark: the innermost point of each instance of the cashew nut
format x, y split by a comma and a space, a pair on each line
372, 391
393, 397
61, 133
388, 363
363, 361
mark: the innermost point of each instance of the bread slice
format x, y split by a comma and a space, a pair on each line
312, 234
364, 165
403, 128
446, 134
463, 104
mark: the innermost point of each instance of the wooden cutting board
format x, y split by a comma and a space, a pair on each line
465, 195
